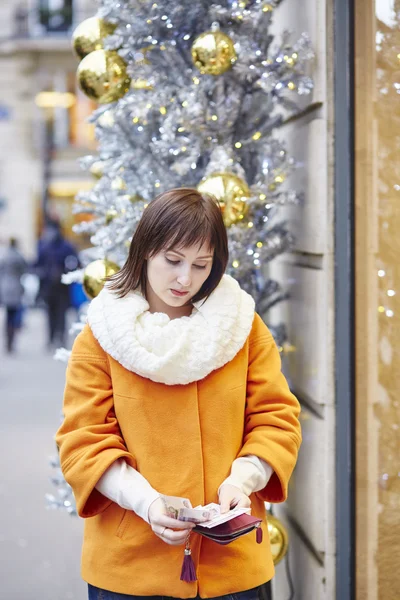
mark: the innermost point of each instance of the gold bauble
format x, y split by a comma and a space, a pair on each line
118, 184
213, 53
102, 76
141, 84
287, 348
135, 198
267, 7
94, 275
231, 192
89, 35
278, 538
132, 198
97, 169
110, 215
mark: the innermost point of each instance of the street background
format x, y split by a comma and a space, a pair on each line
39, 548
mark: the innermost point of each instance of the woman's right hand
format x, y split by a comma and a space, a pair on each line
169, 530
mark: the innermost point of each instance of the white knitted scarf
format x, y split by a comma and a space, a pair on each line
177, 351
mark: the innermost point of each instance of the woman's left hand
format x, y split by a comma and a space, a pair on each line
230, 497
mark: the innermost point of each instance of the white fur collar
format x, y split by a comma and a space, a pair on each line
177, 351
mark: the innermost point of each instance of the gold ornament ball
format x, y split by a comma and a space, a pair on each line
89, 35
97, 169
118, 184
213, 53
94, 275
267, 8
102, 76
141, 84
278, 538
132, 198
110, 215
231, 192
135, 198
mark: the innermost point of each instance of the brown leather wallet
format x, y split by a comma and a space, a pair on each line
232, 530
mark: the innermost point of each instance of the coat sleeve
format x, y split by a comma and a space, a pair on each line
272, 429
89, 439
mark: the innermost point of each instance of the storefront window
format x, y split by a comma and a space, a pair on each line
387, 408
378, 298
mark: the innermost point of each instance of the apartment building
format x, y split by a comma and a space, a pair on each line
42, 116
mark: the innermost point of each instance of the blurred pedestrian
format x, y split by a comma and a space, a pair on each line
12, 266
56, 256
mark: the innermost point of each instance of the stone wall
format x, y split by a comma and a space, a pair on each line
308, 272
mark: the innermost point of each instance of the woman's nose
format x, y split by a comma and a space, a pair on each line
184, 280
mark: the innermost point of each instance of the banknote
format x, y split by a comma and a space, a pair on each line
173, 504
217, 518
194, 515
209, 515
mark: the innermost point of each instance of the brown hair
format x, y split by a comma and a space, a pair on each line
179, 218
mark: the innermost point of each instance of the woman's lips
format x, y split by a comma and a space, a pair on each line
178, 293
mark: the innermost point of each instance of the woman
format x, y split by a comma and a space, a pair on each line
174, 388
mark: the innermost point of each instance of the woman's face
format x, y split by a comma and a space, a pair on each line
175, 276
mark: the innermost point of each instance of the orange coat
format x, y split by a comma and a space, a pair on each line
183, 440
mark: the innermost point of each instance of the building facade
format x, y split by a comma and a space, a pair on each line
42, 116
308, 270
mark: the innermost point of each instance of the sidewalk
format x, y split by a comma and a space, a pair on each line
39, 549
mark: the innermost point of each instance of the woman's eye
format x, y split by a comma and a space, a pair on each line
176, 262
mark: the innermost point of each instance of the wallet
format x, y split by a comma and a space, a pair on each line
232, 530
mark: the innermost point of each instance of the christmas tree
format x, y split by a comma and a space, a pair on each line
190, 94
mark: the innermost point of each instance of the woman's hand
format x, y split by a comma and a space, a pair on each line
169, 530
231, 496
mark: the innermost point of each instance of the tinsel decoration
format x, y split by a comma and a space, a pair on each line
63, 497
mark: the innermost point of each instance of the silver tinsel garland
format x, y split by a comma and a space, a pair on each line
184, 126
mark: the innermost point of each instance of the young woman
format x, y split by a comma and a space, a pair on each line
174, 388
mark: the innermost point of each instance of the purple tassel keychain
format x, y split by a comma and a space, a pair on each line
259, 535
188, 572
